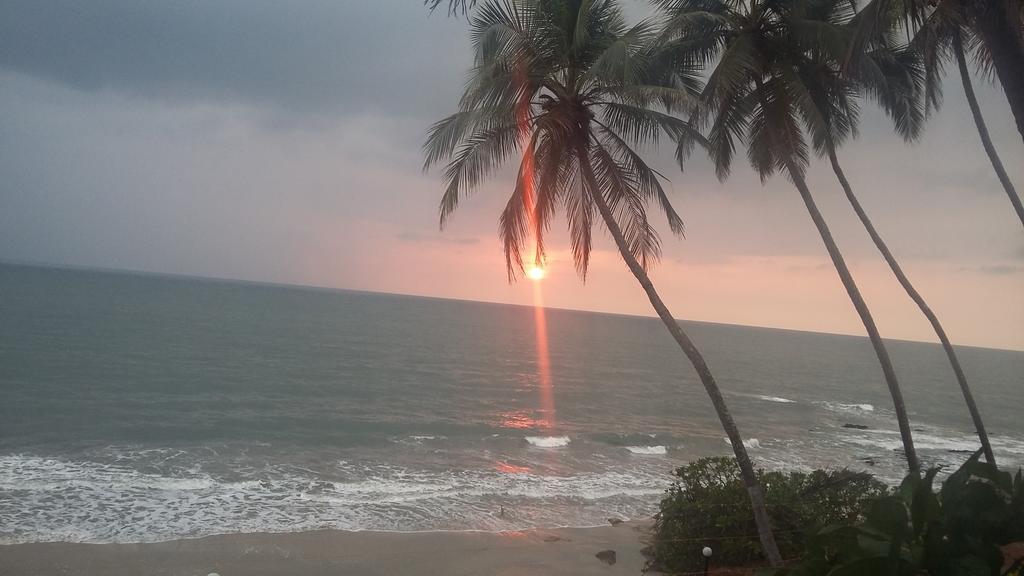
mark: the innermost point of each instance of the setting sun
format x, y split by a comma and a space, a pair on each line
536, 273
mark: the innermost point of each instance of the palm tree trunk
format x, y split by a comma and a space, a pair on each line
761, 518
864, 313
986, 141
979, 425
1002, 37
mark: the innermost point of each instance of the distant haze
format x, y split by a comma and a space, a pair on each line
274, 141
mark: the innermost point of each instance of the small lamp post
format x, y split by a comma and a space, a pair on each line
706, 552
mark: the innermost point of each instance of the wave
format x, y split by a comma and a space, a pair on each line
750, 443
116, 503
847, 408
647, 450
777, 399
416, 440
548, 441
624, 439
890, 440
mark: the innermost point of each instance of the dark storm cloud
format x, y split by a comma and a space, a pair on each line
303, 56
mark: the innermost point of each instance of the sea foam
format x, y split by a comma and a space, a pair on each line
647, 450
750, 443
548, 441
778, 399
115, 503
848, 408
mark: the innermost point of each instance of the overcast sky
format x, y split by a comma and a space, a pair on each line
280, 141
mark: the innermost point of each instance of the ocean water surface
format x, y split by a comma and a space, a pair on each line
140, 408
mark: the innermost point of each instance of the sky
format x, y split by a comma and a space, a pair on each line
281, 142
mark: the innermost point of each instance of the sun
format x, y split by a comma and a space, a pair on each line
536, 273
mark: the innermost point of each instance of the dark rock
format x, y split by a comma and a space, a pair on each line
614, 521
606, 556
856, 426
868, 461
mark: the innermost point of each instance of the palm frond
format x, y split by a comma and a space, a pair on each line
731, 121
579, 211
444, 136
515, 224
476, 158
643, 125
619, 187
647, 179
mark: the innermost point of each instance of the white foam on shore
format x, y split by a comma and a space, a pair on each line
51, 499
548, 441
648, 450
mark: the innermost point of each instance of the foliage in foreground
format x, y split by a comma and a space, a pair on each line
708, 506
956, 532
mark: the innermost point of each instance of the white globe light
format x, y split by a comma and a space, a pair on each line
706, 551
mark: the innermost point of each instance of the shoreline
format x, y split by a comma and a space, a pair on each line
555, 551
636, 523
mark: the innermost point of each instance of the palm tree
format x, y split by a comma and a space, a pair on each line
947, 28
766, 53
562, 84
892, 77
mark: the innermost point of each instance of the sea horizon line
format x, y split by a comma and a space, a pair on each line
324, 288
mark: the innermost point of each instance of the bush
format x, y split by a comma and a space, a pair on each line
708, 506
955, 532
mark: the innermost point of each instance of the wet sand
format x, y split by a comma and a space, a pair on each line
563, 551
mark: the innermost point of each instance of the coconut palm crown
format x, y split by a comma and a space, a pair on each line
784, 64
561, 95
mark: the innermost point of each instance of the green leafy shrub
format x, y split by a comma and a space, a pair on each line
957, 532
708, 506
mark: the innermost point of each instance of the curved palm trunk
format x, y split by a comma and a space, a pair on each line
761, 519
979, 425
986, 141
865, 316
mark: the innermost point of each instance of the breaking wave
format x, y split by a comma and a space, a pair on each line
778, 399
848, 408
115, 503
548, 441
647, 450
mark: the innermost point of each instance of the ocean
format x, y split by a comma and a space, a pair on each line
138, 408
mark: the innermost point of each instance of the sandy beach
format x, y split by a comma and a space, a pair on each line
568, 551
